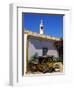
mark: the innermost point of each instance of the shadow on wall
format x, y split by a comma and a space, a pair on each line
38, 44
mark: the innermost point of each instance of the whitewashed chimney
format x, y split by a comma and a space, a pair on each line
41, 27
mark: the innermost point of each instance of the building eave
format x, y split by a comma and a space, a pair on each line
42, 36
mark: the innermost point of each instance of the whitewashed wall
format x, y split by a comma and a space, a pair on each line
36, 46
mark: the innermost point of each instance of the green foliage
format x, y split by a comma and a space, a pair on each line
34, 56
61, 39
34, 59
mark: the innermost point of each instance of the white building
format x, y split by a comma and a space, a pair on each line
39, 43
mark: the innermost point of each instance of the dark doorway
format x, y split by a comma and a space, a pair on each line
45, 50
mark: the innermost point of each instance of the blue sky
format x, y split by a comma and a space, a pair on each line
53, 24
